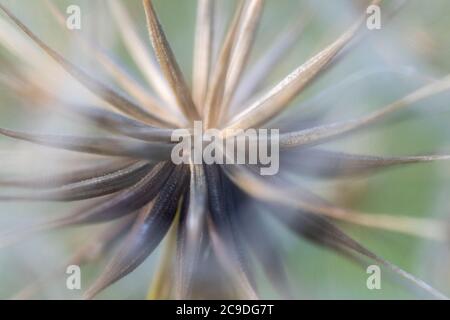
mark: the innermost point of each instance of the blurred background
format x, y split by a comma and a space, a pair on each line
411, 49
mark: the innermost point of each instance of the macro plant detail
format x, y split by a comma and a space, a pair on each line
213, 216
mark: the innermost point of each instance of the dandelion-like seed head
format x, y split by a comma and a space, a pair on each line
212, 215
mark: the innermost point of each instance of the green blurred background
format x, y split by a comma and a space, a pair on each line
415, 40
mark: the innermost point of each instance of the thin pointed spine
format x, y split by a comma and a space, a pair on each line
214, 97
248, 182
95, 86
260, 71
168, 63
125, 80
140, 53
277, 99
323, 133
202, 51
241, 52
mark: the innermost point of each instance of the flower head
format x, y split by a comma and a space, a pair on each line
213, 215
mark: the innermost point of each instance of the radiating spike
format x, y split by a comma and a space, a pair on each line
94, 249
192, 225
323, 133
260, 71
258, 235
76, 175
133, 87
120, 205
249, 25
185, 262
127, 201
210, 279
325, 233
86, 189
163, 281
238, 245
96, 87
140, 53
108, 120
18, 45
148, 231
216, 88
318, 103
329, 164
102, 146
221, 232
298, 198
233, 268
278, 98
123, 125
202, 52
306, 201
168, 63
316, 229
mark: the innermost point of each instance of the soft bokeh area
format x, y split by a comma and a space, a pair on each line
411, 49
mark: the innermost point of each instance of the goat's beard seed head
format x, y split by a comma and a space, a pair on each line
217, 220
